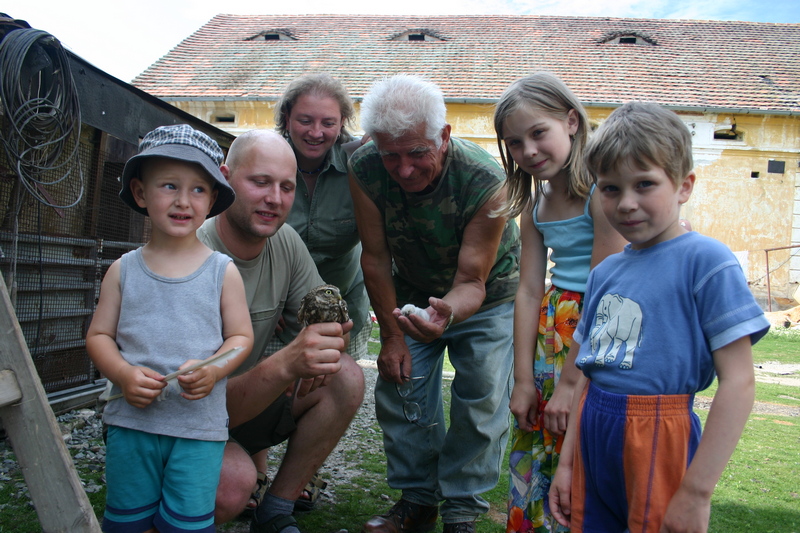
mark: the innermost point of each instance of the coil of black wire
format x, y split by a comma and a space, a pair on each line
41, 119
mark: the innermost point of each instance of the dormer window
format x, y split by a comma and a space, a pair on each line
279, 34
627, 37
419, 34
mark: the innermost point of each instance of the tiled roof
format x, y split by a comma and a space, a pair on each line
681, 63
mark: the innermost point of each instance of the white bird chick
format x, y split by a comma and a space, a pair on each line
410, 309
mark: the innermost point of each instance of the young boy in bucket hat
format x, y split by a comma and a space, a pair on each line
165, 306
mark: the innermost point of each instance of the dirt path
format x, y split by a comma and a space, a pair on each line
782, 374
770, 372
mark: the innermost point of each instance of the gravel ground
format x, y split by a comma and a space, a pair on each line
338, 470
761, 408
81, 431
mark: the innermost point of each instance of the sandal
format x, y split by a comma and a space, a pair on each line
275, 525
310, 495
258, 493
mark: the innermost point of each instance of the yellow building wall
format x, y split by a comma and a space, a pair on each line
738, 201
749, 214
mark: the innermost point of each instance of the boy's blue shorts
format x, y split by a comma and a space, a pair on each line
158, 481
630, 457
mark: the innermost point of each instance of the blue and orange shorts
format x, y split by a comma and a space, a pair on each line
631, 455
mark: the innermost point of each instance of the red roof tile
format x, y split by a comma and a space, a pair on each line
681, 63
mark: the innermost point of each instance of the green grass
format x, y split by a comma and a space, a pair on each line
17, 515
758, 491
779, 345
787, 395
371, 495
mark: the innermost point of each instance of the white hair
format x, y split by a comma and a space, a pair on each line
394, 106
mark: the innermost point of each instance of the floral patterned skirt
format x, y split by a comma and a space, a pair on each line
534, 456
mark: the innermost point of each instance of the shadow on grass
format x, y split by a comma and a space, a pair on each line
727, 516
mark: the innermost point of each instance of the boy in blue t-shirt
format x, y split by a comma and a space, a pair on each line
660, 320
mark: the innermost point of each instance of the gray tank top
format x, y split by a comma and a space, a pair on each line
163, 322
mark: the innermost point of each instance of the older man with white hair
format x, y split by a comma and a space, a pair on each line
424, 205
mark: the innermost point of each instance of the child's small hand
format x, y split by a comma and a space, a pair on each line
561, 494
686, 513
556, 412
140, 385
197, 383
524, 405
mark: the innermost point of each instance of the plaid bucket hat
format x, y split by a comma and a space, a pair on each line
183, 143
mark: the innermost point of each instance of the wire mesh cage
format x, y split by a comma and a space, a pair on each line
66, 131
53, 259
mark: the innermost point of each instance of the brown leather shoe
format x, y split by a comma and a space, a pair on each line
404, 517
459, 527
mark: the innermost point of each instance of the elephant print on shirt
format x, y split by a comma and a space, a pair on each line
618, 323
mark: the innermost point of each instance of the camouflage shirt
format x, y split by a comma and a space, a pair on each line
424, 230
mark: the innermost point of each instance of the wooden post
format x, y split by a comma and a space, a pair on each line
53, 482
